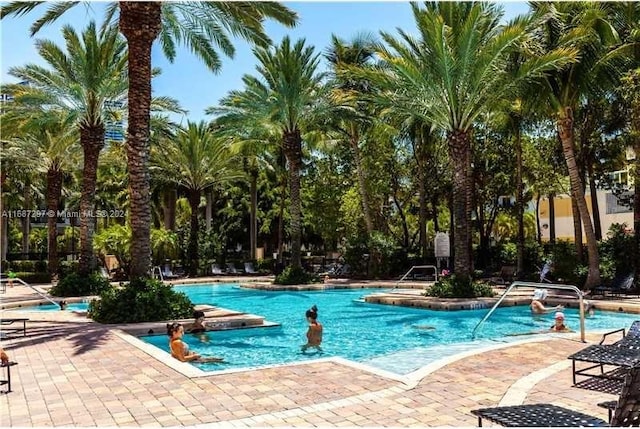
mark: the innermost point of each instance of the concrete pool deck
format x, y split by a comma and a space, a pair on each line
74, 372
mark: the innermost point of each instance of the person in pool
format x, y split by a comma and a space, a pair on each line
559, 325
180, 350
537, 303
314, 333
198, 326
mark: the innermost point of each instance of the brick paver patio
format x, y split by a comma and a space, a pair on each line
72, 372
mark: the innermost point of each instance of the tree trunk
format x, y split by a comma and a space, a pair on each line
4, 221
362, 182
140, 23
565, 129
92, 141
595, 208
552, 219
253, 216
26, 221
519, 203
169, 208
292, 143
434, 207
208, 210
577, 229
459, 154
54, 191
422, 222
539, 235
194, 203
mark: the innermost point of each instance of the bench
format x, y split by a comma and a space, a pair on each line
10, 321
7, 365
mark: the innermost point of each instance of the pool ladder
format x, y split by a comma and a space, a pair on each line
536, 285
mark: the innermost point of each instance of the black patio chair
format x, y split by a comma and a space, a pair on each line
623, 354
626, 414
622, 284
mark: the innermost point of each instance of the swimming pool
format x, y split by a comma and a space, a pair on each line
396, 339
72, 306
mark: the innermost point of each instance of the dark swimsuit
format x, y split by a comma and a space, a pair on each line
197, 330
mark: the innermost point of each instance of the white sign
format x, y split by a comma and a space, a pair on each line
441, 245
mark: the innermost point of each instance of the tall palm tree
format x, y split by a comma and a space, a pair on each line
452, 72
288, 96
586, 28
44, 142
195, 160
84, 80
352, 118
204, 27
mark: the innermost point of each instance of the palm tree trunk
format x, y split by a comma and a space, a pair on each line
92, 141
434, 207
253, 227
169, 208
565, 130
362, 182
54, 191
140, 23
552, 219
422, 222
208, 209
459, 154
4, 221
293, 151
539, 234
595, 208
26, 221
194, 202
577, 229
519, 202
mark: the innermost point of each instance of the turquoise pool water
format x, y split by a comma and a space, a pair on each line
389, 337
74, 306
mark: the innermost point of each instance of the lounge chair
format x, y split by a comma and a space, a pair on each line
621, 284
231, 269
623, 354
249, 269
505, 276
216, 270
627, 411
167, 273
6, 326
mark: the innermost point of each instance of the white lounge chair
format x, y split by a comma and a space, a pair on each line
216, 270
231, 269
249, 269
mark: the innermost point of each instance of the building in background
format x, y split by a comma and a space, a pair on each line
614, 209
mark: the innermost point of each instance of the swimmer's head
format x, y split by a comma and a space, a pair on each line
312, 313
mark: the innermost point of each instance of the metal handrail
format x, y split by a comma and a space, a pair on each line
537, 285
435, 270
19, 280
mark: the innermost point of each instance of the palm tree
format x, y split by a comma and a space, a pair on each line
352, 119
202, 27
288, 97
584, 27
44, 142
195, 160
454, 71
86, 79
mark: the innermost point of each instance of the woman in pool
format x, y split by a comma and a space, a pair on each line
537, 303
559, 325
314, 333
180, 350
198, 326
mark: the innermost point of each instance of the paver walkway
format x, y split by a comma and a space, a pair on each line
72, 372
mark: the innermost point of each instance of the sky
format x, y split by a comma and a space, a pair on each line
188, 80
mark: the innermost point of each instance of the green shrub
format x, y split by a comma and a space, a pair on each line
141, 300
459, 287
24, 266
76, 285
67, 267
295, 276
34, 277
